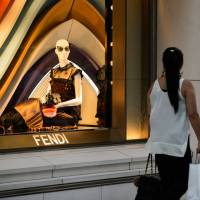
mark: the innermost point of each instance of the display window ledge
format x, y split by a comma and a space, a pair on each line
47, 171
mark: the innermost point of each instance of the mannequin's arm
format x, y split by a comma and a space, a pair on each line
78, 94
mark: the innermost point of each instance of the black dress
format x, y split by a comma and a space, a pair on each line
63, 89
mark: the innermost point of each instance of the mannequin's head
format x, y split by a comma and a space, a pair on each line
62, 50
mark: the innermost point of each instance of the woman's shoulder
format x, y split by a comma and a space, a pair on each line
187, 86
153, 85
186, 83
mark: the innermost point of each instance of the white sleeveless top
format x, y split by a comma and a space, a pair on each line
168, 131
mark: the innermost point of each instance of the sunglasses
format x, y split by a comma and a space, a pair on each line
59, 48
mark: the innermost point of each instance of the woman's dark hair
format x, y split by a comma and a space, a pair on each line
173, 61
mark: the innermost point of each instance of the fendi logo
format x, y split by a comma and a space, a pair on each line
50, 139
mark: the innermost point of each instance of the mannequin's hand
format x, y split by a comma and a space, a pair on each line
56, 98
57, 105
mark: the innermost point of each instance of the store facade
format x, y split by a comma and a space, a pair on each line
115, 38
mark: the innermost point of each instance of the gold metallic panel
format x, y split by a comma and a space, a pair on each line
10, 18
10, 50
119, 67
85, 13
4, 5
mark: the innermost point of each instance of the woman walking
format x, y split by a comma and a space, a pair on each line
171, 105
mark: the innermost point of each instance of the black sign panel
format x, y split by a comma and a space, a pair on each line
53, 139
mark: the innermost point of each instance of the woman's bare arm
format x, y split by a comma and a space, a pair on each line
191, 106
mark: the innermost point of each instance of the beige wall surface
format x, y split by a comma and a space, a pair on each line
178, 24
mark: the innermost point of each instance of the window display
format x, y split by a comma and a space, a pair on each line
48, 119
60, 106
63, 75
49, 65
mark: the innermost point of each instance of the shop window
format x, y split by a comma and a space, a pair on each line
98, 36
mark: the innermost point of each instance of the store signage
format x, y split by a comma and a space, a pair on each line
50, 139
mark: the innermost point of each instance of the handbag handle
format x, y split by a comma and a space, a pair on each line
197, 159
150, 159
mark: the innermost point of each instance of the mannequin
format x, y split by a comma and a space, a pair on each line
62, 51
63, 97
66, 99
